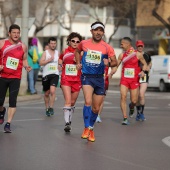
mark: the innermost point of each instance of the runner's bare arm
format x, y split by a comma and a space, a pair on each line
77, 54
25, 62
113, 61
43, 60
2, 43
114, 69
60, 64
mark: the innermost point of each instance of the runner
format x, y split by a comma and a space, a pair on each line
143, 82
95, 57
130, 76
70, 78
13, 56
49, 61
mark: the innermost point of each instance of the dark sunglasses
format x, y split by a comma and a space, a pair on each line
75, 41
140, 46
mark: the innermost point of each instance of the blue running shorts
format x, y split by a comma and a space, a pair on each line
94, 80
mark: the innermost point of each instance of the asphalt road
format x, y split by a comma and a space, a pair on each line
40, 143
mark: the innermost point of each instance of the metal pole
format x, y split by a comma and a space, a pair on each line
24, 39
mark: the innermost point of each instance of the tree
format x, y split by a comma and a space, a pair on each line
10, 10
158, 16
122, 9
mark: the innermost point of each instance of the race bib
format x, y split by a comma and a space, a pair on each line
142, 79
129, 73
70, 69
52, 67
93, 57
12, 63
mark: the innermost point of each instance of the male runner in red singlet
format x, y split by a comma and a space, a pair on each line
131, 73
13, 56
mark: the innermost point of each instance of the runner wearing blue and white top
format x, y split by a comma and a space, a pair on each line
97, 54
49, 61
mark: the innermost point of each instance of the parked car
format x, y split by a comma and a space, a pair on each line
160, 72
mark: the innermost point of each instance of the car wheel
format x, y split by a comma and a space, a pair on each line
162, 86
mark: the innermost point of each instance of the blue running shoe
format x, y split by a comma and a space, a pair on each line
98, 120
125, 121
138, 117
142, 117
7, 128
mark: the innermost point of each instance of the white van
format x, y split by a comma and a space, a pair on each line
160, 72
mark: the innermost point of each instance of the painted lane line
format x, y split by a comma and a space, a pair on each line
24, 120
166, 141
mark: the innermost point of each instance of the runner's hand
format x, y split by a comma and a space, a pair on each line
106, 62
28, 68
141, 74
79, 66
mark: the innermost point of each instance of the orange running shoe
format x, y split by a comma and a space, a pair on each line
85, 133
91, 136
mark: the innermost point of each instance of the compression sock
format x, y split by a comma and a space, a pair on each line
142, 108
93, 118
67, 111
71, 113
86, 115
138, 108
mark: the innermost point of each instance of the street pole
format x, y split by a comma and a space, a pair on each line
24, 39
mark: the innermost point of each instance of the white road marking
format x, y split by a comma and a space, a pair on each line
78, 107
166, 141
24, 120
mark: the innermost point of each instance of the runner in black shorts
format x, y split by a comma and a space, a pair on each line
49, 61
12, 58
143, 82
50, 80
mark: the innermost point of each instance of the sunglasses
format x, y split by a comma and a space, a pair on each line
73, 41
140, 46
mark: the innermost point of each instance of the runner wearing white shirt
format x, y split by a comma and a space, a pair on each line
49, 61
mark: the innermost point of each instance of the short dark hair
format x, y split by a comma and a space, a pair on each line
14, 26
72, 35
52, 39
97, 22
127, 39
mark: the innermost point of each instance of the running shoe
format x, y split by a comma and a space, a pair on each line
67, 127
91, 136
98, 120
51, 110
131, 111
2, 114
125, 121
138, 117
142, 117
85, 133
47, 112
7, 128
